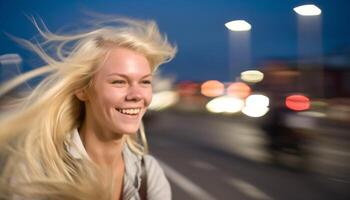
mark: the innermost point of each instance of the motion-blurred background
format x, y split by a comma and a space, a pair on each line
252, 110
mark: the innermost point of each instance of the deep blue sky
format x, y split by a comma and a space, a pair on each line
196, 26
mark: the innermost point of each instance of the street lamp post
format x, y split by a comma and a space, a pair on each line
239, 47
310, 48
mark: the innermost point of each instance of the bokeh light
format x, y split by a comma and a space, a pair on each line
256, 105
238, 89
257, 100
238, 25
308, 10
252, 76
297, 102
212, 88
225, 104
252, 111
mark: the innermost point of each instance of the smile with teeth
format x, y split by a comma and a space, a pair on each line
129, 111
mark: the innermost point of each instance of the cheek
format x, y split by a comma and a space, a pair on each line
113, 97
106, 96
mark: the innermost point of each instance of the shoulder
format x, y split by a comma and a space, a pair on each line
158, 186
154, 169
152, 163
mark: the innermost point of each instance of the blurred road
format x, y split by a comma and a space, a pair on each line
208, 158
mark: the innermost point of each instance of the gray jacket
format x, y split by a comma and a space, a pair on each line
158, 187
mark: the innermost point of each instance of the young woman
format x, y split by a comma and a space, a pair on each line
77, 134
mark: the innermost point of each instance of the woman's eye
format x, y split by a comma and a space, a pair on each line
146, 82
119, 82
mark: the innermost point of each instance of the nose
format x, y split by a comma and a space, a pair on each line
134, 94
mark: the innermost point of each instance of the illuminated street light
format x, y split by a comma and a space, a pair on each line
252, 76
239, 46
308, 10
252, 111
256, 105
310, 45
212, 88
257, 100
239, 90
225, 104
238, 25
297, 102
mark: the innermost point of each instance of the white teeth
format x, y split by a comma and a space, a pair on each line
130, 111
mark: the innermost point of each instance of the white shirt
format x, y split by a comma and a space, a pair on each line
158, 187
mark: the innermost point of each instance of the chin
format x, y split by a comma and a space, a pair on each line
130, 131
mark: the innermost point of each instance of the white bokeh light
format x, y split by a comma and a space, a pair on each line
308, 10
252, 111
258, 100
238, 25
225, 104
256, 105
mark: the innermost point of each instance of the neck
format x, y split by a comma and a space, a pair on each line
104, 148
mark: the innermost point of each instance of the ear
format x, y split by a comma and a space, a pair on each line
81, 94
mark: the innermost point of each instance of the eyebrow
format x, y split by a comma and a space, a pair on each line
125, 76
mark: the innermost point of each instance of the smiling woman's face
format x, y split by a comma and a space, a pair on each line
120, 93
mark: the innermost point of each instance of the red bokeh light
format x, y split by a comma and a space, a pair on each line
298, 102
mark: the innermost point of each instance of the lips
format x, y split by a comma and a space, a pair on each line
129, 111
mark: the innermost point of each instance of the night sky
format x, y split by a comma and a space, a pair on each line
195, 26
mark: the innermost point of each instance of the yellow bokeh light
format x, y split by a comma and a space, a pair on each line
252, 76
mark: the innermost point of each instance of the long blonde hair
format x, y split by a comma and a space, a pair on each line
34, 136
